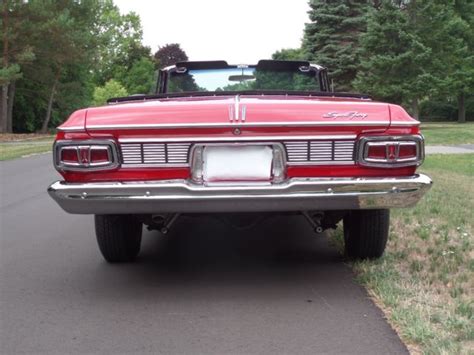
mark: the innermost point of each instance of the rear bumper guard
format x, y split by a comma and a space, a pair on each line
183, 196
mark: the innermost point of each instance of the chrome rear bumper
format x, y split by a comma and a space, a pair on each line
149, 197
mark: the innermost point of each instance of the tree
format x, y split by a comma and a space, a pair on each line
118, 42
140, 79
332, 37
77, 46
453, 47
66, 23
15, 53
169, 54
396, 64
111, 89
290, 54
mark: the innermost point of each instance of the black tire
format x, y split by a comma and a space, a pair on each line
119, 237
366, 233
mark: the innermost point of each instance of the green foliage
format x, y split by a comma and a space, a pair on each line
88, 44
332, 37
395, 61
290, 54
456, 50
119, 42
444, 108
140, 79
111, 89
183, 83
19, 52
10, 73
406, 52
55, 72
272, 80
418, 51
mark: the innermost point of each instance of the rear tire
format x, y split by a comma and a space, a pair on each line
119, 237
366, 233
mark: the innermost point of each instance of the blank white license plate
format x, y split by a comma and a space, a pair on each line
237, 163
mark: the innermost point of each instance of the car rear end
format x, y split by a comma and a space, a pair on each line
281, 155
330, 157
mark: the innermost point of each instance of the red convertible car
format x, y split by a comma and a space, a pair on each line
233, 139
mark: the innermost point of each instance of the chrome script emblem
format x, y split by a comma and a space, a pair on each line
350, 115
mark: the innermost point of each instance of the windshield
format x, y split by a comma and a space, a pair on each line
241, 79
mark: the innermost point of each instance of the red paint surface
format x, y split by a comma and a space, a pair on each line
183, 173
280, 110
215, 110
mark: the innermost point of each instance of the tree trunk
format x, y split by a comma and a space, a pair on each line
4, 99
461, 108
11, 99
44, 127
4, 109
415, 109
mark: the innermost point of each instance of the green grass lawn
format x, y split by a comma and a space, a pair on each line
425, 280
448, 133
17, 150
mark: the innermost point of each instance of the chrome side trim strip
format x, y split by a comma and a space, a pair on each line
235, 139
183, 196
247, 124
71, 129
404, 124
224, 125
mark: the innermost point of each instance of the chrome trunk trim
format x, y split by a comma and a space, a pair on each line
384, 124
236, 139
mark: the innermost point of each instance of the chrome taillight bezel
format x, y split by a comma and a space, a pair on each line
78, 145
397, 141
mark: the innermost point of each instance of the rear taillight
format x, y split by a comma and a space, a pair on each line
390, 151
85, 155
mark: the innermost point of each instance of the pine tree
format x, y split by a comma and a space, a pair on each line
453, 47
290, 54
396, 64
332, 37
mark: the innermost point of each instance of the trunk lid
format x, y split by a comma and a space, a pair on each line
245, 111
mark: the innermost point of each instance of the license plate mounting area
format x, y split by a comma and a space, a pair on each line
237, 163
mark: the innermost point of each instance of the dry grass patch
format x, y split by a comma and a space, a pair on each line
17, 137
425, 281
11, 151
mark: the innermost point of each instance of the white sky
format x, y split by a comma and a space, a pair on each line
242, 31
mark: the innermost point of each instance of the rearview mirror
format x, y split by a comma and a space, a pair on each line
241, 77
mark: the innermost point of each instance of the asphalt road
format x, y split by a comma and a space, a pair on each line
204, 289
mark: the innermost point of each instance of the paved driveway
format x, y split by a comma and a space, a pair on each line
206, 288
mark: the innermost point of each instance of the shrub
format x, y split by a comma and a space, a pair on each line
111, 89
